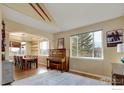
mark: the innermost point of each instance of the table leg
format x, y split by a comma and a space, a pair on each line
30, 64
36, 64
61, 66
47, 64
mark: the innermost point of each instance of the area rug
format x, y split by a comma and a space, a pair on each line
58, 78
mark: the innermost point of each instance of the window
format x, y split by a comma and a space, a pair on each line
17, 48
88, 45
14, 51
44, 46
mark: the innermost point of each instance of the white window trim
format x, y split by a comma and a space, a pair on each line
89, 58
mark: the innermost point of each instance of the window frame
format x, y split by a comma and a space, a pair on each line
92, 58
42, 49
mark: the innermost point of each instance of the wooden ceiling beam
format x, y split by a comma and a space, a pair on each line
40, 11
43, 11
37, 11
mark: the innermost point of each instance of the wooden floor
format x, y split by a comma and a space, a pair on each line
21, 74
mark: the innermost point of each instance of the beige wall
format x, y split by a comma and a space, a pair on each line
42, 60
99, 67
7, 46
28, 48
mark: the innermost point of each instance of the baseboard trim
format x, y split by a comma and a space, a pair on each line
42, 64
100, 77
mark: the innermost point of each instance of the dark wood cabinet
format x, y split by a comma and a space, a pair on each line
117, 74
117, 79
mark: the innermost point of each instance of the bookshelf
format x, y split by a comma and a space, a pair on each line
34, 48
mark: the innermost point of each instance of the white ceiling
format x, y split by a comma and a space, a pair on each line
68, 16
19, 17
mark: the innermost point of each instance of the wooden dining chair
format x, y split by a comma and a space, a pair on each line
15, 60
35, 61
21, 62
18, 62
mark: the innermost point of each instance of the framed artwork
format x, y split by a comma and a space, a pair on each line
60, 43
114, 37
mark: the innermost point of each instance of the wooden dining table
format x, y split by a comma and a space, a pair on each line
30, 60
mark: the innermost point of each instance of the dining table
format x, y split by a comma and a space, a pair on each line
31, 60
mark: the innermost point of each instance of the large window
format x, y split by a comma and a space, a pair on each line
44, 46
88, 45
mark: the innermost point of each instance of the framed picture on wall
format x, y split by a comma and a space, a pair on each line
60, 43
114, 37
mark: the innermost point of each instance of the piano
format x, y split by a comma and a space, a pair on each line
58, 59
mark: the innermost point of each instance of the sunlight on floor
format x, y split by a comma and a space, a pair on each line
42, 71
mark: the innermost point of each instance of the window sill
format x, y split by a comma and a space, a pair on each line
87, 58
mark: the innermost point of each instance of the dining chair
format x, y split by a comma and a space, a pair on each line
35, 61
21, 62
15, 60
18, 62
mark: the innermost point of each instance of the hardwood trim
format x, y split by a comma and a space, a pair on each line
40, 11
90, 75
43, 11
98, 77
37, 11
